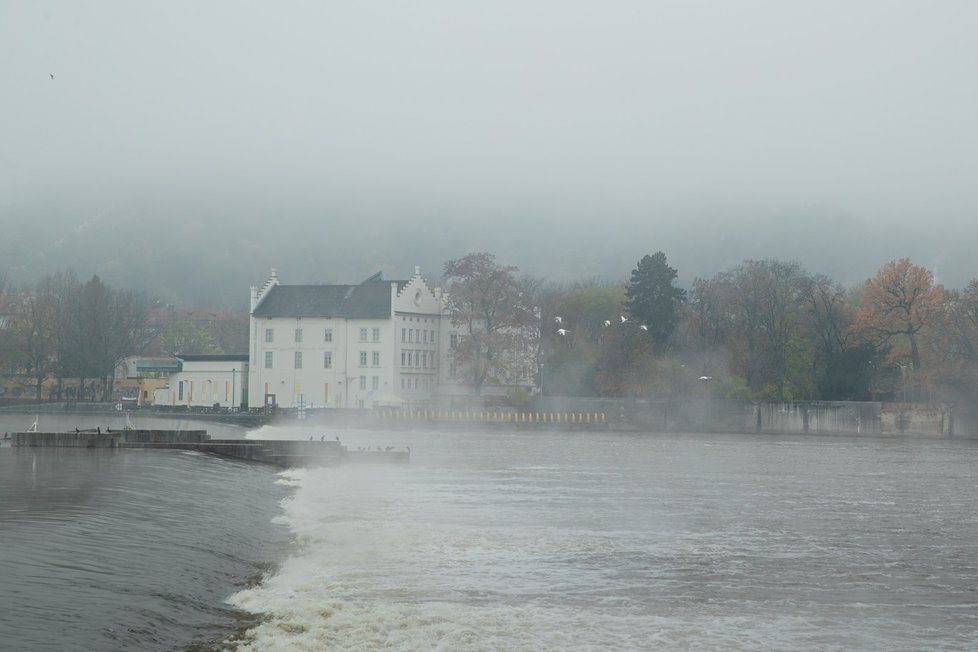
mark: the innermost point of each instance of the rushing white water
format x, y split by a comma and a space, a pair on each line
596, 541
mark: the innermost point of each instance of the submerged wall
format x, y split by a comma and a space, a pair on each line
285, 453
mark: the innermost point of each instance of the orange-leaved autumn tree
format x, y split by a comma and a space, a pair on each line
898, 303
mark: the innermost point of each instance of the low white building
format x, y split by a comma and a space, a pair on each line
206, 381
379, 343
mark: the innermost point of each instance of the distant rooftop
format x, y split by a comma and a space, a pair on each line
229, 357
368, 300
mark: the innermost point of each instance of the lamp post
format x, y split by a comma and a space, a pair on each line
903, 380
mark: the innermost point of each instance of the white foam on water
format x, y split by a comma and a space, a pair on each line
545, 551
380, 566
279, 433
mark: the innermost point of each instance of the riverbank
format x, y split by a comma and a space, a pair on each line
626, 415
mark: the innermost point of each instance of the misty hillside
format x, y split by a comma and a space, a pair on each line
333, 140
210, 255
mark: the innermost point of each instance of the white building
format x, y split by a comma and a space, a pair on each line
206, 381
379, 343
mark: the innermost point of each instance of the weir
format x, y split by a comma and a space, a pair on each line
283, 453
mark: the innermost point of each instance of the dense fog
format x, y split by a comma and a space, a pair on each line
185, 148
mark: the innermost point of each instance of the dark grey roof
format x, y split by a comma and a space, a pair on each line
215, 357
369, 300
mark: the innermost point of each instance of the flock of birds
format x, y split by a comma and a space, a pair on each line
607, 322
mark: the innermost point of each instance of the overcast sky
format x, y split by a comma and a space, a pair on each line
551, 110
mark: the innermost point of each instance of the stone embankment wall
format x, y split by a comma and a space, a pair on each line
285, 453
692, 415
810, 417
107, 438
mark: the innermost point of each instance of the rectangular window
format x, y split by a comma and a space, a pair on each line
298, 335
417, 359
376, 335
363, 382
375, 382
363, 358
453, 341
269, 334
328, 335
298, 359
404, 335
268, 359
328, 360
402, 358
363, 334
180, 391
375, 358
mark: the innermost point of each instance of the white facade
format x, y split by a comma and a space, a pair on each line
377, 344
320, 362
211, 381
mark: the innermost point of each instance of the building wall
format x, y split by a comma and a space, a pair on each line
407, 365
352, 357
205, 384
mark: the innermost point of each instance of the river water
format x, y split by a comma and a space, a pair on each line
499, 541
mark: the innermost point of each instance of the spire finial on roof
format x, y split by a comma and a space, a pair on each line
417, 270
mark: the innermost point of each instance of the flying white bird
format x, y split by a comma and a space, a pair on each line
607, 322
562, 331
644, 327
558, 319
624, 319
706, 378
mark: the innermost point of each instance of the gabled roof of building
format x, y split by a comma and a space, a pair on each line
213, 357
368, 300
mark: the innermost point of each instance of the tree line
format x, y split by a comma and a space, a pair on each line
761, 330
66, 329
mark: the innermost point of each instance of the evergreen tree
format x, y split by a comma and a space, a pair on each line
652, 299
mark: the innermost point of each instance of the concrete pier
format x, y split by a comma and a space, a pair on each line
284, 453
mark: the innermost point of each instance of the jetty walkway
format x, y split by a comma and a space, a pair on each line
283, 453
